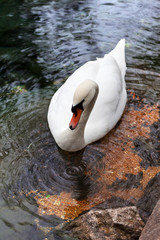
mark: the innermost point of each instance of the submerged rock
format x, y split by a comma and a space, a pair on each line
110, 224
152, 227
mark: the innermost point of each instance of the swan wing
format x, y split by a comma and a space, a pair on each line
112, 94
119, 55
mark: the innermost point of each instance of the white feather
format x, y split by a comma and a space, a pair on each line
108, 73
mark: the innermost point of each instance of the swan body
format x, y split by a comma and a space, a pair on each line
90, 103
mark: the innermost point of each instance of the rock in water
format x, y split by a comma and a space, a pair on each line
109, 224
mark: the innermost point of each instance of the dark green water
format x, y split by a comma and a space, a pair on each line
41, 44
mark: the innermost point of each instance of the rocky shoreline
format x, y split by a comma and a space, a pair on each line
123, 223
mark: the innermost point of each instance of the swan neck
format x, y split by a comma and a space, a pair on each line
74, 139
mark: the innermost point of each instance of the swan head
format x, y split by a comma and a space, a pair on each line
83, 100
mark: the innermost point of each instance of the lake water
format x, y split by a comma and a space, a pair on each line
41, 44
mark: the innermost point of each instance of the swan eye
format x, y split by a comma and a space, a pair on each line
79, 106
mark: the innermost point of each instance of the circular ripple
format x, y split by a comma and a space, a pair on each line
35, 163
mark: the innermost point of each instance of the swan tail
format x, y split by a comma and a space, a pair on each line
119, 55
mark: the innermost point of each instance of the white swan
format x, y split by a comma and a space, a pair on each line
95, 94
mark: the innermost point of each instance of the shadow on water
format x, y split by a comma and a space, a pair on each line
41, 44
55, 171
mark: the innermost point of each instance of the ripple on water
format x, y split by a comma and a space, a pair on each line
34, 162
144, 82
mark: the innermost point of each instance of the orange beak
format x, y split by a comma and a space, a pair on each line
75, 119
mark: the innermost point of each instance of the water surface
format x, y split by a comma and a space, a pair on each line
41, 44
